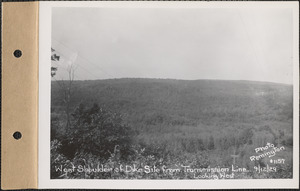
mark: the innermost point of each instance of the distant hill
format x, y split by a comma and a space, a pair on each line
184, 102
188, 118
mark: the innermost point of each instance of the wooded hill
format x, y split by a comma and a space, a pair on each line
185, 117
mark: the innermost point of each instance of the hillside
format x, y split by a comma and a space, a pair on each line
185, 117
157, 101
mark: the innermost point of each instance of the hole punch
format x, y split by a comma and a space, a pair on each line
17, 53
17, 135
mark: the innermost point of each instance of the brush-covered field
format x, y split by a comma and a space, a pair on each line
140, 128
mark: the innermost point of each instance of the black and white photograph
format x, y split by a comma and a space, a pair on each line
172, 93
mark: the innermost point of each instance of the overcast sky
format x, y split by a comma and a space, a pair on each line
229, 44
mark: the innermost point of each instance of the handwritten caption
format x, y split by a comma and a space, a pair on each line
198, 173
217, 172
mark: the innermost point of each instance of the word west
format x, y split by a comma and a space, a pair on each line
82, 168
269, 150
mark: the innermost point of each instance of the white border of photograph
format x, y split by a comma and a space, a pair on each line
44, 103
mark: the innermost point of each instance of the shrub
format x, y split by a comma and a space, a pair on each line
98, 132
57, 158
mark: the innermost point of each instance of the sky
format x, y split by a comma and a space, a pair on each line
191, 43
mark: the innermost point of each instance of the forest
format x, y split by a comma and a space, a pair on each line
170, 123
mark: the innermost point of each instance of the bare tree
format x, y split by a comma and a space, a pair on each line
65, 85
67, 90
